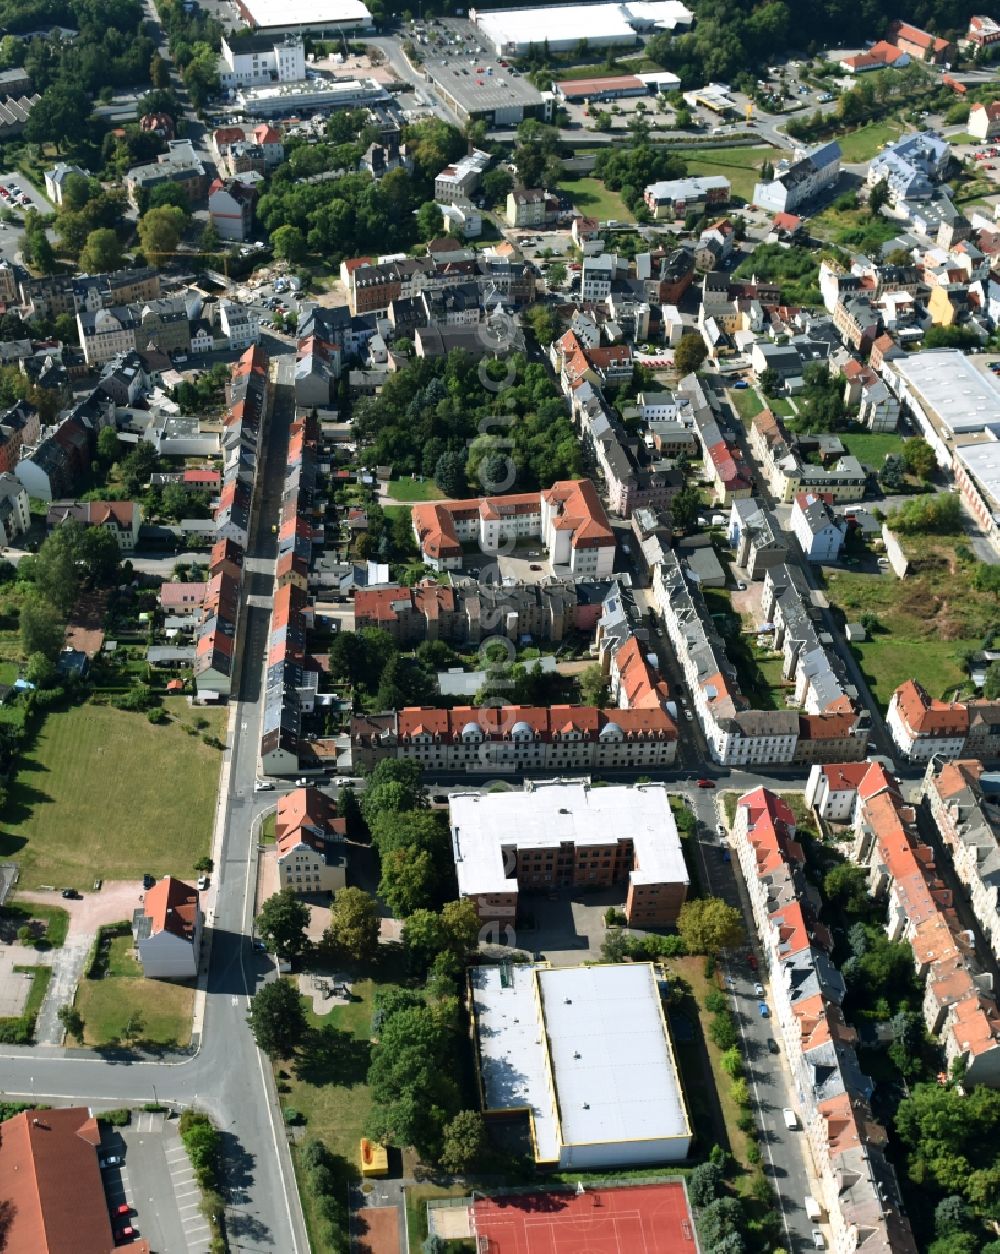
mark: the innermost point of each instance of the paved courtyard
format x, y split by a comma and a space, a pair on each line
16, 985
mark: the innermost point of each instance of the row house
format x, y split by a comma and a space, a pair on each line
55, 294
958, 1007
20, 427
292, 680
864, 1206
15, 513
923, 727
56, 466
786, 474
757, 541
488, 739
633, 678
723, 460
964, 801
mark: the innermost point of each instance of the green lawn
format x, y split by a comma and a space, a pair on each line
591, 197
887, 661
740, 165
747, 402
864, 143
54, 918
107, 1004
414, 490
872, 448
104, 793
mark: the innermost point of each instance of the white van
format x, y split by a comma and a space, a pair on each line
790, 1118
813, 1208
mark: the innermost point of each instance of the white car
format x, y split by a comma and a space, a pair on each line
758, 990
818, 1241
263, 785
202, 883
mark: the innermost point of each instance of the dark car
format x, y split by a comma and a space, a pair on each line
772, 1046
148, 881
70, 894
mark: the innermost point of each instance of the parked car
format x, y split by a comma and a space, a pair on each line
70, 894
818, 1241
148, 881
741, 385
124, 1235
772, 1046
263, 785
202, 883
752, 962
121, 1211
758, 990
790, 1118
111, 1160
763, 1010
705, 783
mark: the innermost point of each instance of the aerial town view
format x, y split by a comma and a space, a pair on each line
499, 627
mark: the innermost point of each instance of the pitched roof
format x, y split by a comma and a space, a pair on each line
172, 906
51, 1184
926, 716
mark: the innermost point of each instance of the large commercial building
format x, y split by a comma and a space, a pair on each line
595, 1070
569, 835
513, 32
320, 18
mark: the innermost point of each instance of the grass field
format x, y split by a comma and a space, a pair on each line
414, 490
928, 620
106, 1005
871, 448
747, 402
740, 165
104, 793
864, 143
55, 919
591, 197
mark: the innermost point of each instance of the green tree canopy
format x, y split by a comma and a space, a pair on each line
277, 1019
282, 924
708, 924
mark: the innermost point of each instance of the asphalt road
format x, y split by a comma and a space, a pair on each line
228, 1076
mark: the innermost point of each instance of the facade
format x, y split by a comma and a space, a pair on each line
168, 929
794, 184
984, 120
55, 180
675, 198
122, 519
597, 276
251, 59
108, 332
460, 180
489, 740
569, 835
310, 846
919, 44
625, 1106
755, 537
230, 208
567, 518
819, 531
923, 728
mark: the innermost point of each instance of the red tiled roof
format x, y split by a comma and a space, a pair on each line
926, 716
172, 906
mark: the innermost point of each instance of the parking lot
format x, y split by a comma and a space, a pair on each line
156, 1182
464, 65
13, 182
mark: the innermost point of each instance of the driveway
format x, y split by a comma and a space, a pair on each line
116, 901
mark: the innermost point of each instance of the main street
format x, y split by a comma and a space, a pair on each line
227, 1076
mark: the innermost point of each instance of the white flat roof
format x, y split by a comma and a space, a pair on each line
603, 1036
556, 23
545, 815
963, 397
282, 13
663, 13
983, 462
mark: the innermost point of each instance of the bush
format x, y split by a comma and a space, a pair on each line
293, 1117
158, 715
716, 1002
116, 1118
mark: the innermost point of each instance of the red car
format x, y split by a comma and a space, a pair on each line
124, 1235
121, 1211
705, 783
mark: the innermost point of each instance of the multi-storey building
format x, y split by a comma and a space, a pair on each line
569, 835
923, 727
514, 738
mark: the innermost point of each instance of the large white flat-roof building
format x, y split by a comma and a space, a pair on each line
569, 835
319, 17
586, 1052
962, 397
514, 31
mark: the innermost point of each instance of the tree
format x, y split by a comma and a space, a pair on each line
685, 507
689, 354
918, 457
408, 880
878, 197
463, 1141
704, 1184
282, 924
159, 72
160, 232
847, 885
277, 1019
593, 686
134, 1027
42, 627
60, 115
770, 382
354, 925
102, 252
991, 684
107, 444
718, 1220
430, 220
543, 322
449, 473
72, 1021
289, 244
40, 670
707, 925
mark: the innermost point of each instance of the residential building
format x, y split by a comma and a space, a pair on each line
755, 536
168, 930
984, 120
189, 174
983, 31
123, 519
625, 1107
597, 275
819, 531
108, 332
516, 738
239, 324
460, 179
310, 843
859, 323
832, 789
923, 728
15, 515
786, 473
531, 206
911, 166
569, 835
231, 208
797, 182
964, 802
880, 56
55, 180
50, 1181
675, 198
568, 518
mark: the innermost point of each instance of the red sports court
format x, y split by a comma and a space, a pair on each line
639, 1219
